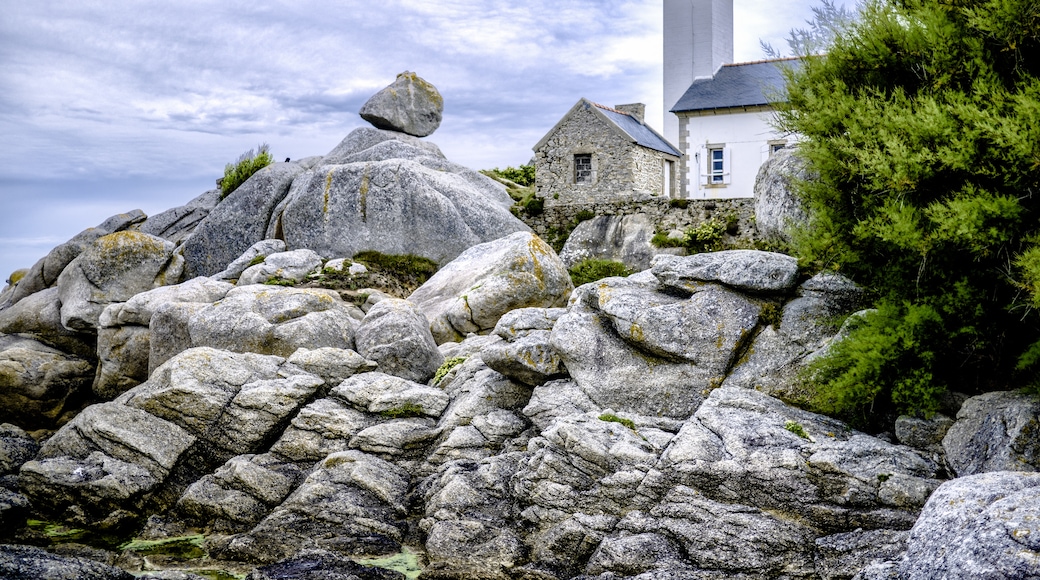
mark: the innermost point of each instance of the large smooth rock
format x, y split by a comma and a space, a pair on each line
394, 206
624, 239
259, 250
45, 272
275, 320
113, 269
745, 270
998, 431
363, 143
176, 224
472, 292
16, 447
38, 384
39, 316
379, 393
777, 207
410, 105
396, 335
984, 526
238, 221
320, 429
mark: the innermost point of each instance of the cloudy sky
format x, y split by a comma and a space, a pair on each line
112, 105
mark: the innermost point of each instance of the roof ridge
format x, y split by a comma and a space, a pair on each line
786, 58
611, 109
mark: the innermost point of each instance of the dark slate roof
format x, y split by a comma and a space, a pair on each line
737, 85
638, 131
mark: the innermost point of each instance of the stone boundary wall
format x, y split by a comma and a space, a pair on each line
659, 211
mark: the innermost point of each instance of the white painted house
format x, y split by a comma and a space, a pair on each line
719, 112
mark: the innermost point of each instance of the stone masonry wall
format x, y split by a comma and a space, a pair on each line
621, 170
560, 218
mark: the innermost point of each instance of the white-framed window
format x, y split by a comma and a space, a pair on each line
776, 145
583, 168
716, 165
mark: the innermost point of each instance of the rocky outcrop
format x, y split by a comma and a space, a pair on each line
777, 207
31, 563
409, 105
624, 239
39, 384
177, 224
979, 526
287, 267
396, 200
472, 292
998, 431
396, 335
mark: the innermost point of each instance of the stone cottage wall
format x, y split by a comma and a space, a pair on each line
613, 169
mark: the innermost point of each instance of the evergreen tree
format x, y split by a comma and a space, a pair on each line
922, 126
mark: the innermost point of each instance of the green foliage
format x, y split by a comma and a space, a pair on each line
796, 428
922, 127
180, 547
612, 418
409, 270
522, 176
446, 367
679, 203
591, 269
403, 411
279, 281
583, 215
248, 163
705, 237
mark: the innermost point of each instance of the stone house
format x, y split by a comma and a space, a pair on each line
597, 154
719, 112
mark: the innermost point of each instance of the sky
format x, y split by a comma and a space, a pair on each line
112, 105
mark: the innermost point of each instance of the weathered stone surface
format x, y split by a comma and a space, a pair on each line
294, 265
998, 431
32, 563
261, 249
321, 428
321, 565
484, 416
746, 270
238, 221
113, 269
240, 493
140, 308
122, 360
45, 272
39, 316
275, 320
530, 358
844, 555
385, 394
333, 365
234, 401
469, 507
178, 223
169, 331
982, 526
777, 208
397, 438
393, 206
472, 292
924, 434
396, 335
624, 239
410, 105
516, 322
16, 447
354, 146
805, 328
103, 467
352, 503
39, 383
556, 399
746, 447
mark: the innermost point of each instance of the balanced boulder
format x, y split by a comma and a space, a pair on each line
410, 105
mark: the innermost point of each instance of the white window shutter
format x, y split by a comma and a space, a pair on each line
704, 164
727, 166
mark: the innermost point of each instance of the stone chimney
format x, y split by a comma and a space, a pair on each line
637, 110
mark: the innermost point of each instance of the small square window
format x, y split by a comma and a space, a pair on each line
583, 168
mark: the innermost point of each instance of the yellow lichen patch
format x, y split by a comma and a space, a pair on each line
17, 275
636, 332
328, 190
363, 195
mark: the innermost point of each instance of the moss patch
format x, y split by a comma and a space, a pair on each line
406, 562
446, 367
612, 418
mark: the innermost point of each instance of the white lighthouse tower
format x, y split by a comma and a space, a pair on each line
698, 39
